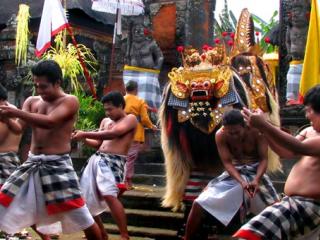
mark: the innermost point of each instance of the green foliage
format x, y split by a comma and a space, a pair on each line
226, 25
265, 28
91, 113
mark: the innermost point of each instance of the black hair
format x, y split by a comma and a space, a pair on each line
312, 98
3, 93
131, 86
232, 117
49, 69
115, 98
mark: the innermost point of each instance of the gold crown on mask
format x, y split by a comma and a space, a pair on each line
210, 57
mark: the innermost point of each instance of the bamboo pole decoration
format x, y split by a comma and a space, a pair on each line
22, 35
64, 2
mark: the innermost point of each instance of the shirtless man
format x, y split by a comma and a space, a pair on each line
105, 168
45, 190
298, 213
243, 152
10, 136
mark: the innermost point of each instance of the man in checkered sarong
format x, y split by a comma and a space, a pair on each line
44, 191
104, 171
10, 136
244, 184
297, 215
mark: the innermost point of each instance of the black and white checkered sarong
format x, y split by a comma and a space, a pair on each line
9, 162
148, 85
115, 163
293, 81
292, 217
224, 196
58, 180
100, 178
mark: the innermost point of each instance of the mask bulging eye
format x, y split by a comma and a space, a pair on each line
206, 84
193, 85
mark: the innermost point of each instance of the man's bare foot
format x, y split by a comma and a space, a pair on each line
124, 237
55, 236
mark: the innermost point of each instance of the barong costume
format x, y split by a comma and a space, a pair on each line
9, 161
100, 178
294, 217
44, 191
224, 195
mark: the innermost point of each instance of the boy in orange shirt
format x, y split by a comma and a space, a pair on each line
136, 106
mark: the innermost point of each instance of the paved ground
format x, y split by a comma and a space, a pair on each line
78, 236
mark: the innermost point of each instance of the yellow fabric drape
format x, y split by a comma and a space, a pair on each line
311, 67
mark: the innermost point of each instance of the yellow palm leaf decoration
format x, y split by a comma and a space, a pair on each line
67, 58
22, 38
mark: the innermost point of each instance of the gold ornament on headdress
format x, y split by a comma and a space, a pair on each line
245, 47
244, 37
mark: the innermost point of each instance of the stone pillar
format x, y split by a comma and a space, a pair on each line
199, 22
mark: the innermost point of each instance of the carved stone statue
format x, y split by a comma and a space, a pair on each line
143, 51
297, 31
296, 38
144, 60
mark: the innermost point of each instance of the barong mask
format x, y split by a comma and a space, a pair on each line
201, 84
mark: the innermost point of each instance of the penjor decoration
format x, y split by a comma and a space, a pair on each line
230, 74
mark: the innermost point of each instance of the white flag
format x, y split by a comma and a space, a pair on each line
53, 20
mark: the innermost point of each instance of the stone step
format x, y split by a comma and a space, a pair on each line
149, 168
152, 179
80, 235
144, 197
149, 218
153, 233
153, 155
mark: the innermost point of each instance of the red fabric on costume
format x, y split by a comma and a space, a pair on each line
5, 200
247, 234
169, 125
184, 141
65, 206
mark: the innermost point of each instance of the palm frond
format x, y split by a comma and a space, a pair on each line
68, 59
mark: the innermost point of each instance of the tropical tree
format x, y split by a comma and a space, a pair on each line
265, 28
228, 23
